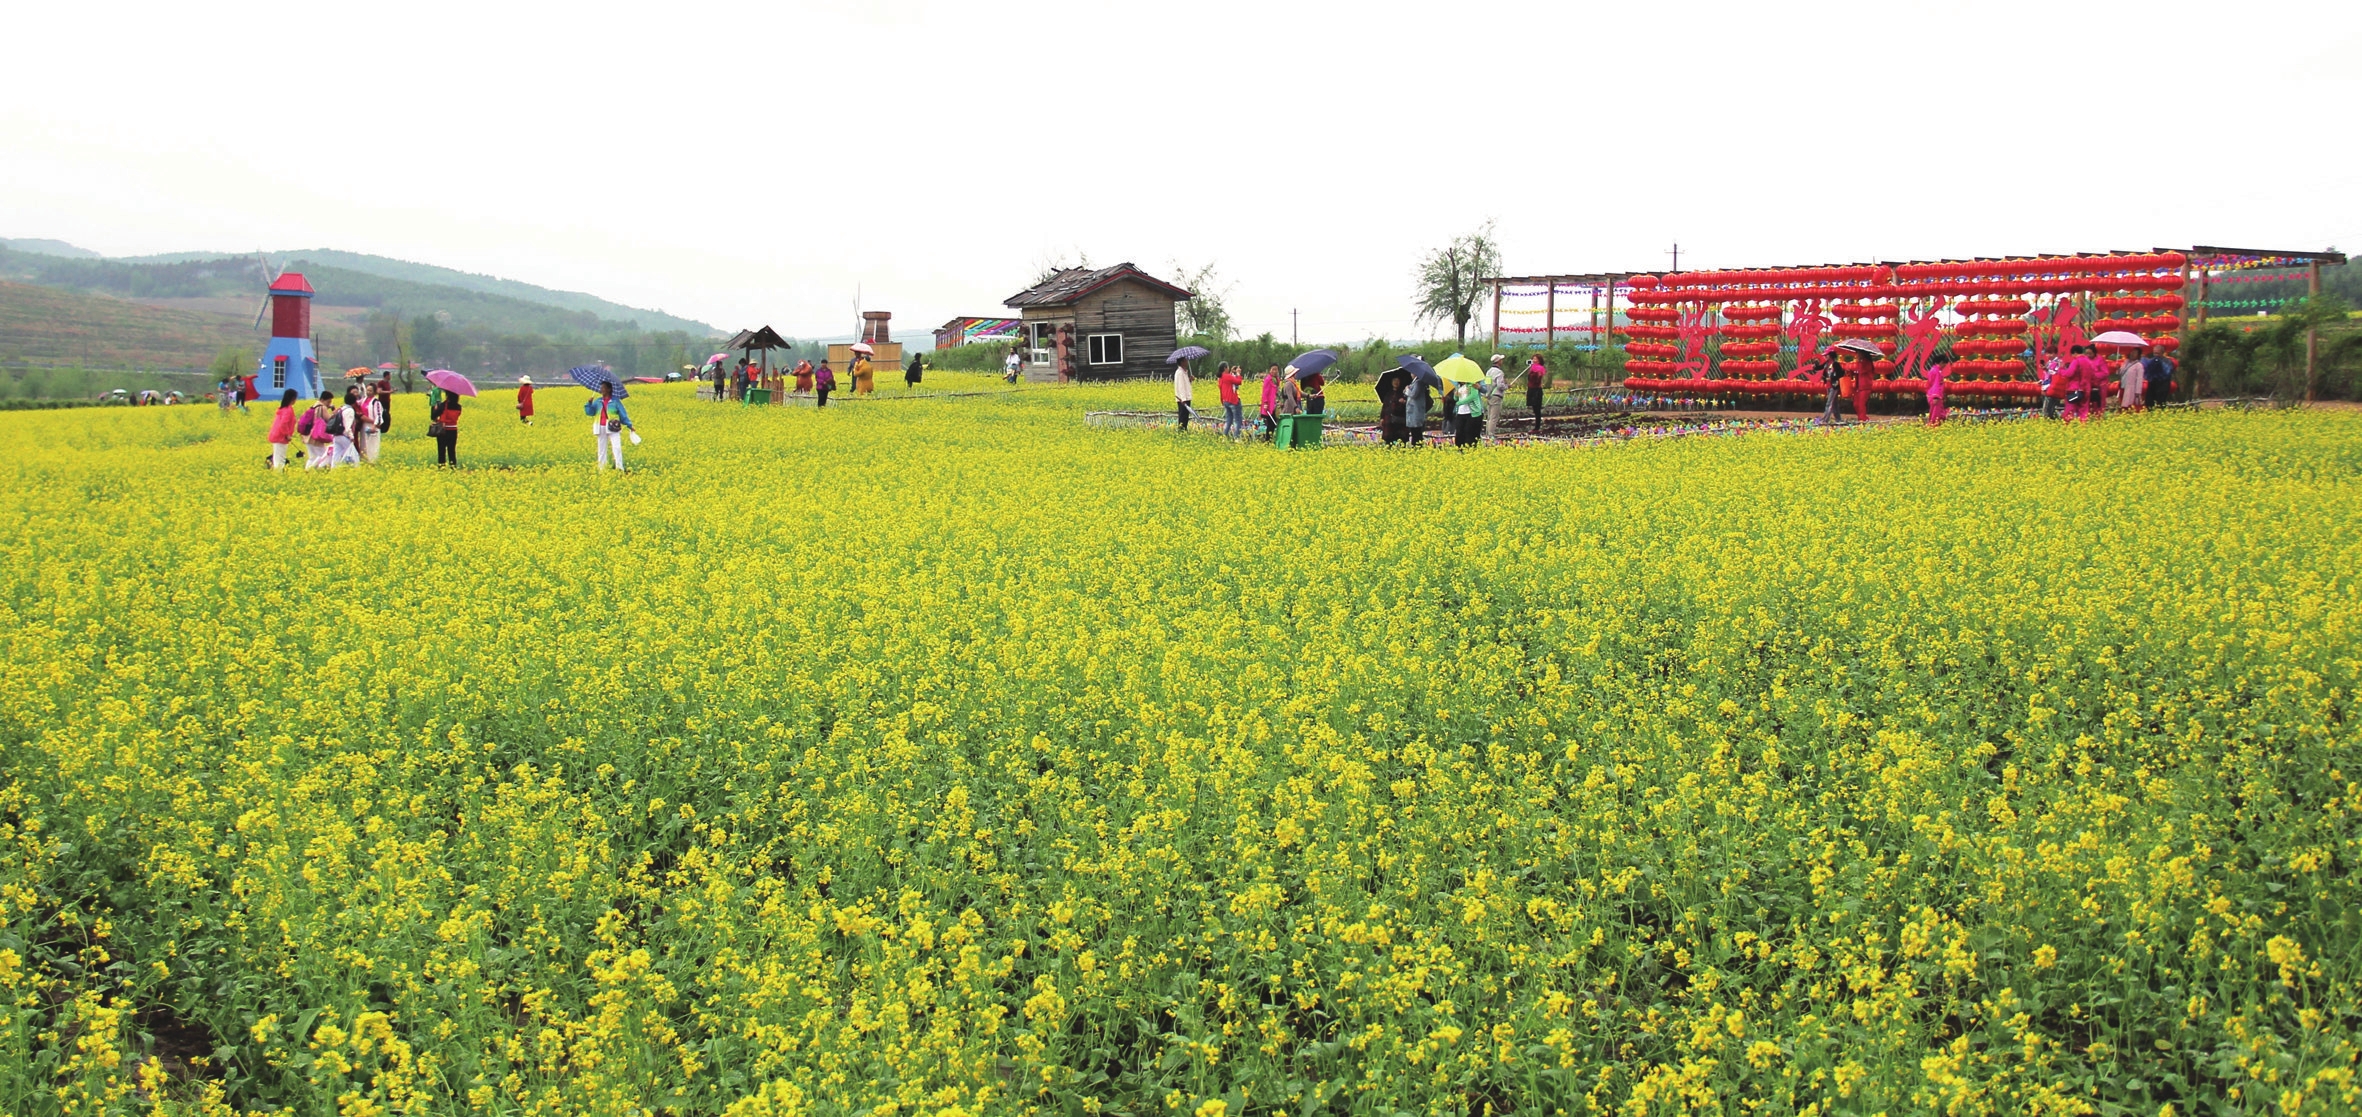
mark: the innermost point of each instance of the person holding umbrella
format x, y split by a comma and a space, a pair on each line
525, 400
1468, 412
609, 421
865, 379
446, 430
1182, 390
1393, 391
1420, 398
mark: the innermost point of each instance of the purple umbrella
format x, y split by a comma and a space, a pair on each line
450, 381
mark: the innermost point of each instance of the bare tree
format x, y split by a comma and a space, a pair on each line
1049, 264
1450, 279
1203, 314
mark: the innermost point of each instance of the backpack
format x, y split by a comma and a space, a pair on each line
336, 423
308, 422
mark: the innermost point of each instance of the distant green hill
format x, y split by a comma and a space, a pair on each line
430, 274
244, 276
47, 247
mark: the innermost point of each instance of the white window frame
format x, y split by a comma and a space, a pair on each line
1094, 350
1044, 342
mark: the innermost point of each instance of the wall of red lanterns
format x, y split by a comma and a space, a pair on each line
1723, 332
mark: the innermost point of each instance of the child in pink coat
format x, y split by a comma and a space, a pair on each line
282, 429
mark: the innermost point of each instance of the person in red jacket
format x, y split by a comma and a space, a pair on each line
1234, 412
525, 400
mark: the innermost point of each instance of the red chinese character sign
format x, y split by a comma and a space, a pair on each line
1761, 330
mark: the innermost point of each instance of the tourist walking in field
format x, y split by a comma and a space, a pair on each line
2156, 380
2132, 378
1011, 365
1937, 368
1183, 392
2051, 383
445, 428
1826, 369
609, 421
2087, 380
1467, 414
865, 379
1418, 402
525, 400
1234, 412
1535, 375
318, 446
1495, 389
1268, 409
1393, 387
370, 411
824, 380
912, 375
344, 425
282, 428
804, 376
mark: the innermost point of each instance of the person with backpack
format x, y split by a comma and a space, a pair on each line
609, 421
912, 375
318, 445
344, 426
445, 428
282, 429
824, 381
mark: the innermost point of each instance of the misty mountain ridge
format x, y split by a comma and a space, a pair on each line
412, 290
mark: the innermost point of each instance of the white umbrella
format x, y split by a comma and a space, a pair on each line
2120, 337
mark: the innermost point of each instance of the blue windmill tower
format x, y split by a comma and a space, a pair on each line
289, 360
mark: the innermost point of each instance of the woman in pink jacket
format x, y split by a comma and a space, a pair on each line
1937, 367
282, 429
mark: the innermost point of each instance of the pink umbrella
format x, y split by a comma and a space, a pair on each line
450, 381
717, 358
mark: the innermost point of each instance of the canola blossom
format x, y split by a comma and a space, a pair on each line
946, 757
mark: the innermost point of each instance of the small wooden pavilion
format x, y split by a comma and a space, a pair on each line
1098, 323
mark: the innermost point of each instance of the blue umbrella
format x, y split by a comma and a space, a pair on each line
597, 377
1313, 362
1421, 372
1188, 353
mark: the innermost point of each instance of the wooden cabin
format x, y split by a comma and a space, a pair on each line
1098, 323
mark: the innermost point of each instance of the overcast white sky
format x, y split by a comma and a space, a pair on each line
709, 159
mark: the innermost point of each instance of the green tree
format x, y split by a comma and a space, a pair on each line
1203, 314
1451, 279
232, 361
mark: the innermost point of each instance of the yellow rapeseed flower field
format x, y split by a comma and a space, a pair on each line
947, 757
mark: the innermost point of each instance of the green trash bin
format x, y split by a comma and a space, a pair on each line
1298, 432
757, 395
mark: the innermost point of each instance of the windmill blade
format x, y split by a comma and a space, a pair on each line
265, 308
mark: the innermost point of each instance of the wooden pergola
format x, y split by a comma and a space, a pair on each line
1603, 312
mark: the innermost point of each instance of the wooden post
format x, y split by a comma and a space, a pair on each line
1607, 323
2312, 333
1496, 314
1550, 315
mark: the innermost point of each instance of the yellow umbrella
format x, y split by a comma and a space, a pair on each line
1459, 369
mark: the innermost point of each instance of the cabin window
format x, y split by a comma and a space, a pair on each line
1044, 340
1107, 349
278, 374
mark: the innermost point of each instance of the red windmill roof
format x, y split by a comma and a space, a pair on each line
291, 283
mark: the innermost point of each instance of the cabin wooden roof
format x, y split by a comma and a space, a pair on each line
1072, 284
762, 338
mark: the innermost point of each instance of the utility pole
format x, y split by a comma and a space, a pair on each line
2312, 334
1292, 338
1676, 255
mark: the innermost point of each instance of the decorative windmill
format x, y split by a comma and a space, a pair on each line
289, 361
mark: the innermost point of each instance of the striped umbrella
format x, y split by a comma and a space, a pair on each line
597, 377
